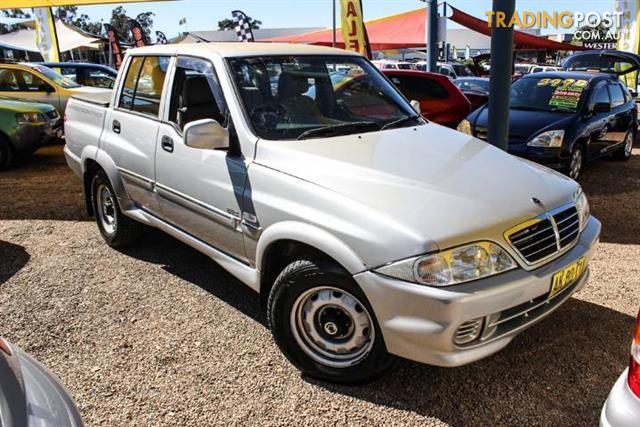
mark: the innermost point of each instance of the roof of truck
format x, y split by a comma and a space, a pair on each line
235, 49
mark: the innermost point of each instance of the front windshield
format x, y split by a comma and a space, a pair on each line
545, 94
473, 85
58, 79
463, 70
294, 97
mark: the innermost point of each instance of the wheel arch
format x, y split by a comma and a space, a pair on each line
93, 160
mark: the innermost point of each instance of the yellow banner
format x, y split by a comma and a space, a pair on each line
19, 4
353, 26
46, 37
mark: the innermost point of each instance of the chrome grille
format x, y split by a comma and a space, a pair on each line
547, 235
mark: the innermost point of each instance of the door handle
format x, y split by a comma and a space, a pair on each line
116, 126
167, 144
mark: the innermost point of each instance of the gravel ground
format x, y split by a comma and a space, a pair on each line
160, 335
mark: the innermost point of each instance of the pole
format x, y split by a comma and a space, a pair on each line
431, 34
500, 79
334, 23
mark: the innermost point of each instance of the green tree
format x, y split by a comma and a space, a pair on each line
228, 24
69, 15
120, 21
12, 13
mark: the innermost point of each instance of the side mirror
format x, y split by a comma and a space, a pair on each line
206, 134
602, 107
416, 106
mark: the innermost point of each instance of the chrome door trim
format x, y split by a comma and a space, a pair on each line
136, 179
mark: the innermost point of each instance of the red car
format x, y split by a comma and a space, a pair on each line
440, 100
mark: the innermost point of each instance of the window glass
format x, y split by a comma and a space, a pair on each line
599, 96
8, 81
143, 84
55, 77
196, 93
546, 94
422, 89
617, 96
287, 96
21, 81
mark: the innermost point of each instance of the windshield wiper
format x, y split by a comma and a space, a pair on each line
527, 108
400, 121
337, 129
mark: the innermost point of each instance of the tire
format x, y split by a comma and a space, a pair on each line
330, 300
623, 154
118, 230
6, 154
576, 162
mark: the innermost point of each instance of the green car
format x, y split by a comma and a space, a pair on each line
24, 127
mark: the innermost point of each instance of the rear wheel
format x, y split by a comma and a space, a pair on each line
624, 152
324, 325
6, 154
117, 230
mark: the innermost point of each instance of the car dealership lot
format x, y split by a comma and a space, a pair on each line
158, 334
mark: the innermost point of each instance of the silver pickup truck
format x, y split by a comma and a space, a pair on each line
368, 232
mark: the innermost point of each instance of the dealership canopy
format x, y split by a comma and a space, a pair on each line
407, 30
69, 37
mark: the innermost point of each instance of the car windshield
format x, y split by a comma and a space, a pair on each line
548, 94
475, 85
463, 70
58, 79
299, 97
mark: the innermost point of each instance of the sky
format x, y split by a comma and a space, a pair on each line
205, 14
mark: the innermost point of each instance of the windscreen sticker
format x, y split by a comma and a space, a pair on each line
567, 92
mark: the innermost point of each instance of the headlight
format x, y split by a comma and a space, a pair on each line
26, 118
464, 126
453, 266
582, 205
551, 138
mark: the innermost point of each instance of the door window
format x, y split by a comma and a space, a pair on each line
422, 89
617, 96
142, 89
12, 80
599, 96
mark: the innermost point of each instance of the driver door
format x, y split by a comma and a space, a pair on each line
199, 189
17, 83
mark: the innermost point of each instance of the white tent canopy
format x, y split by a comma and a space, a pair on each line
68, 38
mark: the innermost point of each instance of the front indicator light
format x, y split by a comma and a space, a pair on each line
451, 267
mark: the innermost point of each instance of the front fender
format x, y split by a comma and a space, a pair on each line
313, 236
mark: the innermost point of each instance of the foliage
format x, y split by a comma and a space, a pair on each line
12, 13
69, 15
228, 24
120, 21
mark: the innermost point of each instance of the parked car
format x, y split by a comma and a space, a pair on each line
367, 231
476, 89
24, 127
85, 74
440, 100
563, 119
386, 64
30, 395
447, 69
39, 83
622, 408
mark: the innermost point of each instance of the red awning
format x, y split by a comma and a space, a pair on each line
522, 41
407, 29
392, 32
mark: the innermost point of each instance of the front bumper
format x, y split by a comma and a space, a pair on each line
622, 408
420, 322
30, 137
554, 157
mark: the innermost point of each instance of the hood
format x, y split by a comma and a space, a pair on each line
441, 184
23, 106
524, 124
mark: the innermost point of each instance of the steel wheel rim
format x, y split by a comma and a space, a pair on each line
628, 145
106, 208
332, 326
576, 164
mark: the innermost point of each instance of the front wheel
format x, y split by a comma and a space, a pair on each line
117, 230
624, 152
576, 162
324, 325
6, 154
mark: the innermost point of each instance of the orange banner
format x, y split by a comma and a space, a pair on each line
353, 26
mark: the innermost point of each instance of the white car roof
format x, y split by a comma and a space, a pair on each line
235, 49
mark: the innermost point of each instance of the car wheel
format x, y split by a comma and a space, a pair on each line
6, 154
117, 230
324, 324
576, 162
624, 152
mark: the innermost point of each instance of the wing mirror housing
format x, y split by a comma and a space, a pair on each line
602, 107
416, 106
206, 134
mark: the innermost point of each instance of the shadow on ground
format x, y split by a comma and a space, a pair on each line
12, 259
42, 187
561, 367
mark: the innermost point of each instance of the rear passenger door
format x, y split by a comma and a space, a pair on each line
599, 124
131, 128
200, 190
621, 112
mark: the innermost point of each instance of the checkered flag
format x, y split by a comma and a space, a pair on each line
161, 38
243, 26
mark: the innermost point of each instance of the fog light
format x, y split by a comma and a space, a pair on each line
469, 331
